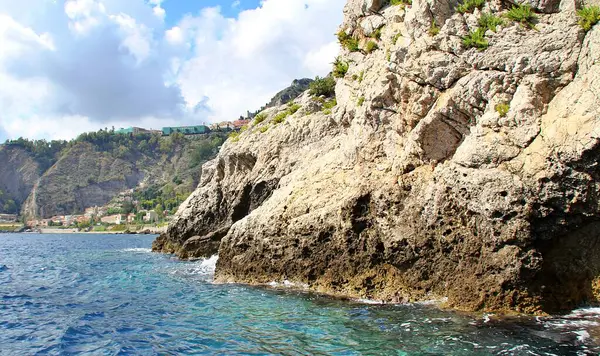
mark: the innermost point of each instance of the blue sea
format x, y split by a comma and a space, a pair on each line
109, 295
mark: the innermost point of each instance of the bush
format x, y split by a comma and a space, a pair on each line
588, 17
371, 46
347, 41
260, 118
322, 86
470, 5
361, 101
476, 39
263, 129
400, 2
489, 21
433, 29
502, 109
396, 37
522, 14
340, 68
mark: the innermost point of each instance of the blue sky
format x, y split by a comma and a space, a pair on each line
72, 66
176, 9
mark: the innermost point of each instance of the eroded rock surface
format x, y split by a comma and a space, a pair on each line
416, 186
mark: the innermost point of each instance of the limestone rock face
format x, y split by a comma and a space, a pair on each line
443, 171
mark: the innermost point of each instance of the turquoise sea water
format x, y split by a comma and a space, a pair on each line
108, 295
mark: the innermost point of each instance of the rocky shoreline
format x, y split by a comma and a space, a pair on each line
446, 169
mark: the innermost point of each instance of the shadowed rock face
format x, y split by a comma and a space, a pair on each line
422, 189
18, 174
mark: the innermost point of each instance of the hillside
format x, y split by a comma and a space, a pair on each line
458, 162
94, 168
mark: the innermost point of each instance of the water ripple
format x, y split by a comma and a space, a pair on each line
108, 295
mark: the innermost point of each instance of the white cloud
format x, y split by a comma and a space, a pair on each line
174, 35
80, 65
137, 38
239, 64
84, 14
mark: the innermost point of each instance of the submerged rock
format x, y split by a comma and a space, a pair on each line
443, 171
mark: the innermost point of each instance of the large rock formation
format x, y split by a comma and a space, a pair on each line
443, 172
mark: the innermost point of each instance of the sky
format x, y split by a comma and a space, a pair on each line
71, 66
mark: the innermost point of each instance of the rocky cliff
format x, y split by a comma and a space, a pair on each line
18, 174
460, 163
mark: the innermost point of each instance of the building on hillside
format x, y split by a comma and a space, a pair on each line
238, 124
130, 218
224, 126
134, 131
8, 218
112, 219
186, 130
151, 216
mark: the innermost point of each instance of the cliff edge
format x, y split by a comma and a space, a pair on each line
460, 162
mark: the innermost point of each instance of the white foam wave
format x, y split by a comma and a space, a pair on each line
370, 301
204, 268
287, 284
137, 250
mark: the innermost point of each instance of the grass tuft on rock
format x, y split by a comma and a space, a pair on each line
259, 118
400, 2
371, 46
522, 14
489, 21
502, 109
588, 17
328, 106
376, 34
433, 29
361, 101
470, 5
476, 39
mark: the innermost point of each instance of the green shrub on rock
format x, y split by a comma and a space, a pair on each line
322, 86
588, 17
361, 101
522, 14
502, 109
489, 21
470, 5
476, 39
340, 68
347, 41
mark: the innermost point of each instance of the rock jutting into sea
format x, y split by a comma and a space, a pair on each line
460, 162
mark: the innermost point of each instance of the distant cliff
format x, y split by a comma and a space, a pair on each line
460, 163
95, 168
18, 174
